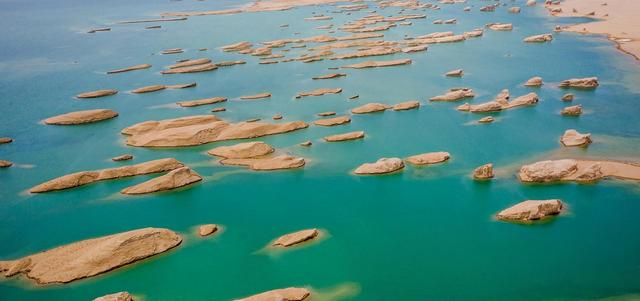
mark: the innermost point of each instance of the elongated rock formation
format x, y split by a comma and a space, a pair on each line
429, 158
201, 102
319, 92
370, 108
256, 96
383, 165
202, 129
531, 210
541, 38
92, 257
580, 83
87, 177
295, 238
272, 163
407, 105
242, 150
121, 296
345, 136
283, 294
176, 178
132, 68
333, 121
80, 117
578, 171
375, 64
454, 95
97, 93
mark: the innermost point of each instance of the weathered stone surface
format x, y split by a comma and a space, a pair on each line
201, 102
87, 177
148, 89
295, 238
500, 26
572, 110
534, 82
208, 229
4, 140
531, 210
98, 93
407, 105
92, 257
573, 138
345, 136
191, 69
483, 172
412, 49
272, 163
370, 108
331, 75
580, 83
320, 92
124, 157
429, 158
256, 96
242, 150
375, 64
454, 95
541, 38
524, 100
548, 171
189, 63
176, 178
383, 165
80, 117
202, 129
455, 73
306, 143
236, 47
132, 68
487, 119
333, 121
5, 163
283, 294
325, 114
567, 97
121, 296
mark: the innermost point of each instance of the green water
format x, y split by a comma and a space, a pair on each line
424, 234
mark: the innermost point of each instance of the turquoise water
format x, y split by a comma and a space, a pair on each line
424, 234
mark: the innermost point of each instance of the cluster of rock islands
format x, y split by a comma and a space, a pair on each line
360, 38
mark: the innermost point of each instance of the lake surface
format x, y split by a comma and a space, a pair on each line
424, 234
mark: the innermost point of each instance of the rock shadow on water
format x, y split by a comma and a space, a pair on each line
275, 252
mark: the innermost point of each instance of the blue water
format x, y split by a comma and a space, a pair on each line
423, 234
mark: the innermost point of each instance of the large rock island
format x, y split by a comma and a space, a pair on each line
578, 170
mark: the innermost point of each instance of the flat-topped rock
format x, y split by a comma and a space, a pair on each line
87, 177
201, 102
4, 140
413, 49
283, 294
272, 163
80, 117
242, 150
325, 114
572, 110
487, 119
97, 93
124, 157
500, 26
237, 46
306, 143
92, 257
5, 164
483, 172
181, 86
121, 296
191, 69
202, 129
345, 136
407, 105
531, 210
256, 96
370, 108
548, 171
295, 238
330, 75
573, 138
541, 38
218, 109
176, 178
320, 92
375, 64
455, 73
208, 229
535, 81
429, 158
382, 166
333, 121
580, 83
189, 63
147, 89
454, 95
132, 68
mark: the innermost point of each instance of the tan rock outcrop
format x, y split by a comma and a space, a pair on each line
412, 49
370, 108
500, 26
87, 177
580, 83
306, 143
455, 73
121, 296
132, 68
197, 130
487, 119
567, 97
572, 110
96, 94
407, 105
208, 229
80, 117
4, 140
531, 210
368, 52
148, 89
236, 47
541, 38
191, 69
174, 179
573, 138
333, 121
325, 114
189, 63
483, 172
320, 92
534, 82
242, 150
428, 158
295, 238
382, 166
92, 257
201, 102
375, 64
256, 96
454, 95
578, 170
345, 136
331, 75
5, 163
283, 294
514, 10
124, 157
272, 163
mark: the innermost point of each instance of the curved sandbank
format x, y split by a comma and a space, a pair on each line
176, 178
87, 177
618, 20
92, 257
200, 129
80, 117
578, 170
531, 210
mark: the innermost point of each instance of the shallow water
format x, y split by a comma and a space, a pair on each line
424, 234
